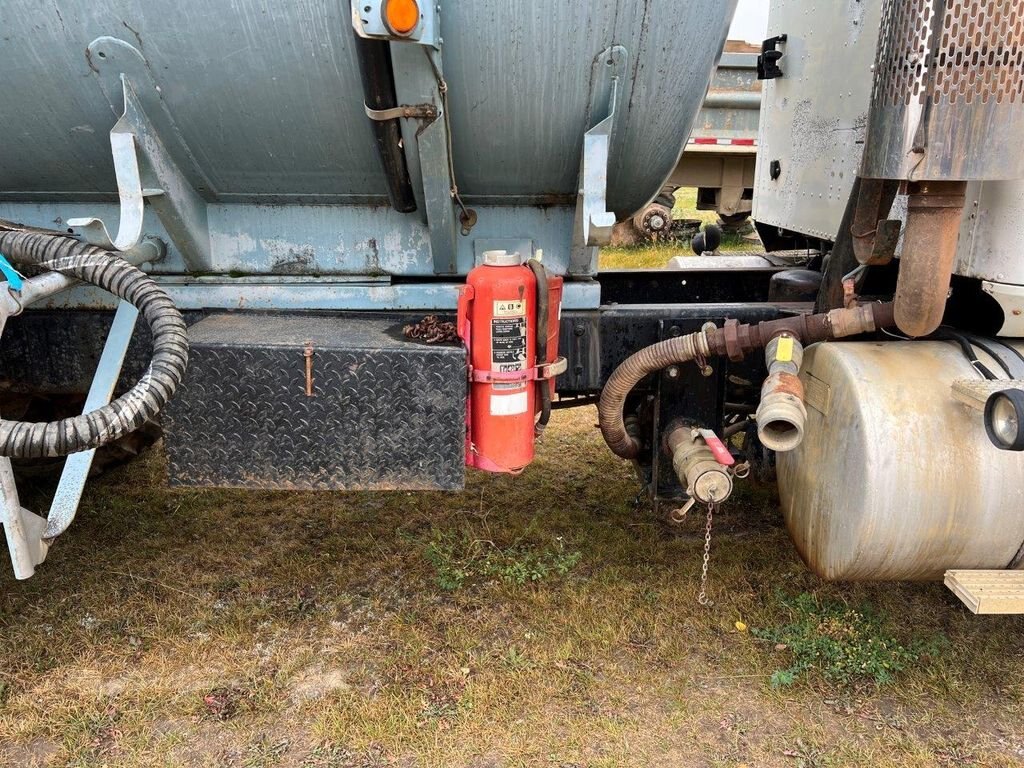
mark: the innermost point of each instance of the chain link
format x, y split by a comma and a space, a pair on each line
702, 598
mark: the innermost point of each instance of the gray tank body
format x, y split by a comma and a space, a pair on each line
266, 102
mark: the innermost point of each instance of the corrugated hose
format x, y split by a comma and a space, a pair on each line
681, 349
56, 252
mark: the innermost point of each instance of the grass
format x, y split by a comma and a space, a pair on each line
657, 255
843, 644
227, 628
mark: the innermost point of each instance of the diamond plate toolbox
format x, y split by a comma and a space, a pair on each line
385, 412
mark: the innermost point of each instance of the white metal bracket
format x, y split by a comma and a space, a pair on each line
594, 222
143, 165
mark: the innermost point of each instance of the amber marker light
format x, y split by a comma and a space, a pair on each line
401, 16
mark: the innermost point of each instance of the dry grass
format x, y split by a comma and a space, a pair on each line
215, 628
657, 255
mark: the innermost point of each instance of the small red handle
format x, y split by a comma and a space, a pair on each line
718, 449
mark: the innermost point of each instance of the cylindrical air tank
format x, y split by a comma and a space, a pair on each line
896, 479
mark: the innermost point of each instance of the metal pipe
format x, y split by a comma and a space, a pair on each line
734, 340
733, 100
378, 77
781, 415
934, 209
150, 250
874, 201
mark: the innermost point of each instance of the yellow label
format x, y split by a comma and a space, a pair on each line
784, 351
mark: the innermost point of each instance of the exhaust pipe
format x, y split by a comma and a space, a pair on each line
934, 209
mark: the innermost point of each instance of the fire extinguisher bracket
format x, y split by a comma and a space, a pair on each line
540, 372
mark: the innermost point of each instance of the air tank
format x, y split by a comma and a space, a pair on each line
896, 479
263, 100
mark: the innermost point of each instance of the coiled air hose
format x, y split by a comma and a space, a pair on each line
681, 349
59, 253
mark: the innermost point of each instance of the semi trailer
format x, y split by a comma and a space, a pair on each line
363, 239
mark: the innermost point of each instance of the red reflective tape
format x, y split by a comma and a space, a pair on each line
743, 142
704, 140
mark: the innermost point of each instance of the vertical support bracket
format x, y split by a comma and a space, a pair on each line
594, 222
418, 81
76, 468
28, 534
23, 529
144, 167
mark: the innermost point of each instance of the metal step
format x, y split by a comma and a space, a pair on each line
988, 591
975, 392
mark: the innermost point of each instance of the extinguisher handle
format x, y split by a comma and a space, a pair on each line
717, 447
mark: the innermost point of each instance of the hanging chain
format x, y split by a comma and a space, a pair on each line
702, 598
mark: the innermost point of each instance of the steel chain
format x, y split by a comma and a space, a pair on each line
702, 598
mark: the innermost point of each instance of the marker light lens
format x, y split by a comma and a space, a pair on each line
401, 16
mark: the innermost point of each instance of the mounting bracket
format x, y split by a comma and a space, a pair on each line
594, 222
143, 166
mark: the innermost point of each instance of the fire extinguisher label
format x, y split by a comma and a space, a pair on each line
508, 336
509, 405
510, 308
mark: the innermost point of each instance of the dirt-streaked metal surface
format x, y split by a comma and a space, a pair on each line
895, 479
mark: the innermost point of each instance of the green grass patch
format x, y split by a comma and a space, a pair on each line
843, 645
458, 562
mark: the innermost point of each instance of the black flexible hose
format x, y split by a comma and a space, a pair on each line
376, 69
948, 334
58, 253
544, 389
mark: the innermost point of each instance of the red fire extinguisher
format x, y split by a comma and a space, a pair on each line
508, 318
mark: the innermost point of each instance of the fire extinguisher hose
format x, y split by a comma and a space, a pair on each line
681, 349
543, 386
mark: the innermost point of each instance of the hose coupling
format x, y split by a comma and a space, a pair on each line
781, 413
705, 479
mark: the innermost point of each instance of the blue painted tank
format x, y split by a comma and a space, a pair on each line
259, 105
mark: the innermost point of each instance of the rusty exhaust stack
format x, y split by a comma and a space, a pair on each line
934, 209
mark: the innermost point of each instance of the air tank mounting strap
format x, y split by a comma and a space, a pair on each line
424, 111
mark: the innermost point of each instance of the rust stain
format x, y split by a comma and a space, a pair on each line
789, 384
